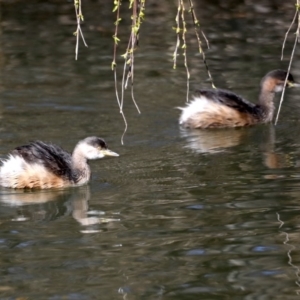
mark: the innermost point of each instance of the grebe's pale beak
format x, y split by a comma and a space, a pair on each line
293, 84
107, 152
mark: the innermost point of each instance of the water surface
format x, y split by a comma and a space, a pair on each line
180, 214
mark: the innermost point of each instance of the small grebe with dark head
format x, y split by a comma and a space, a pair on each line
40, 165
217, 108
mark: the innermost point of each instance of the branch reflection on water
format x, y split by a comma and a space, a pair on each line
276, 160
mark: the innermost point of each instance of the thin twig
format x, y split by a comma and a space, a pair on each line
129, 55
125, 129
177, 35
184, 47
138, 8
126, 60
132, 85
206, 39
201, 51
114, 67
116, 89
135, 41
78, 32
121, 110
291, 60
83, 39
116, 40
136, 22
286, 78
287, 33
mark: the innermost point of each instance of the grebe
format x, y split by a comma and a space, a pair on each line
217, 108
40, 165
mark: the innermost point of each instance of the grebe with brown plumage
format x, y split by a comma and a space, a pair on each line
41, 166
216, 108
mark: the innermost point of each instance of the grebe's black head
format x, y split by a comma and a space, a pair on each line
93, 148
274, 81
95, 142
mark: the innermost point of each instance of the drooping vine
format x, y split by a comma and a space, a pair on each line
201, 51
78, 32
181, 30
297, 38
138, 14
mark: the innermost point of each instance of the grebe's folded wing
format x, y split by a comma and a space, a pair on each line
54, 158
227, 98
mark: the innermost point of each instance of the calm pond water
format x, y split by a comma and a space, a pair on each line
180, 214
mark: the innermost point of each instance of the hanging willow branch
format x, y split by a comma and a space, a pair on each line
78, 32
138, 14
181, 30
184, 48
117, 4
297, 38
196, 26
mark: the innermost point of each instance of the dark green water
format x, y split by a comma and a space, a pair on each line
180, 214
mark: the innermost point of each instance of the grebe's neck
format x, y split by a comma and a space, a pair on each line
80, 169
266, 103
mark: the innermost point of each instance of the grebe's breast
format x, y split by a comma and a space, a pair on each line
216, 109
17, 173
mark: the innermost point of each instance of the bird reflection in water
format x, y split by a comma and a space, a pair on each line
42, 205
220, 140
213, 141
82, 215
